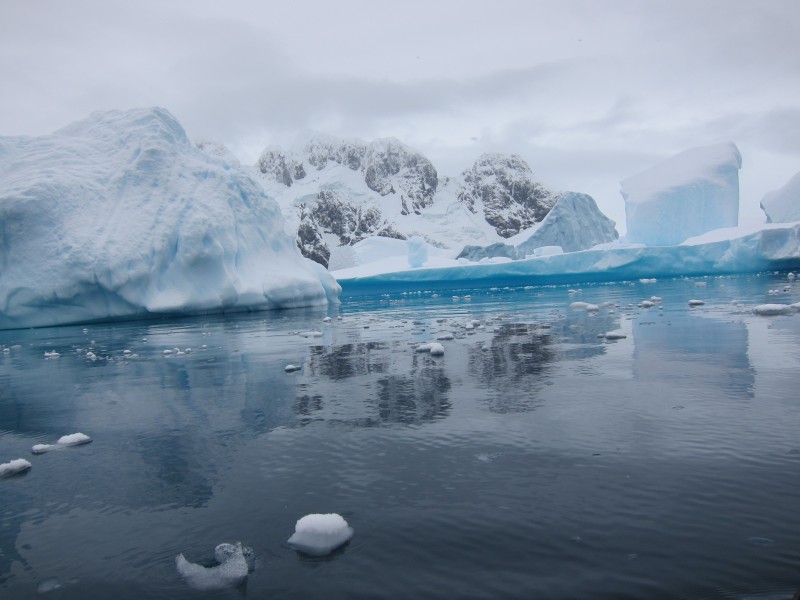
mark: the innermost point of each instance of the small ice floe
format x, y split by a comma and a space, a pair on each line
51, 354
615, 336
656, 299
91, 356
651, 280
790, 276
445, 337
579, 305
318, 535
292, 368
65, 441
231, 571
167, 352
224, 552
48, 585
434, 348
647, 304
700, 283
771, 310
574, 291
14, 467
326, 320
592, 308
308, 334
696, 302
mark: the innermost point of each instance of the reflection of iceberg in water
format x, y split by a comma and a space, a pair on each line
370, 383
515, 359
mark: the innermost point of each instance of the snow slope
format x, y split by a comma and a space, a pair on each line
783, 205
119, 215
686, 195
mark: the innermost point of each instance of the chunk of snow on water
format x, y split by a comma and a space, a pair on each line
225, 552
646, 304
229, 573
51, 354
445, 337
696, 302
592, 308
326, 320
74, 439
579, 305
318, 534
91, 356
42, 448
48, 585
436, 349
308, 334
769, 310
14, 467
651, 280
292, 368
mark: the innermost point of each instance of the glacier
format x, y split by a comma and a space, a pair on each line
121, 216
783, 205
719, 252
687, 195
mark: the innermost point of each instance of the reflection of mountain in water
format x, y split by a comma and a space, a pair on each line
372, 383
515, 360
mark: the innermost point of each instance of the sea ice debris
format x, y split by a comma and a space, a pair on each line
770, 310
229, 573
696, 302
14, 467
320, 534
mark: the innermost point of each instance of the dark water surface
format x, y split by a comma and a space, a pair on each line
533, 460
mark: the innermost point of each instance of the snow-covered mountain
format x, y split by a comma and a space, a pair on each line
336, 192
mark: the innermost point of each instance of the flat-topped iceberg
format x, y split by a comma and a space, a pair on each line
120, 215
686, 195
728, 251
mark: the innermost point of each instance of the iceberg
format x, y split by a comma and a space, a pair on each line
783, 205
687, 195
121, 216
574, 223
727, 251
14, 467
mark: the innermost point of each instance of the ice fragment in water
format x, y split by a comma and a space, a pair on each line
769, 310
229, 573
292, 368
224, 552
318, 534
14, 467
74, 439
696, 302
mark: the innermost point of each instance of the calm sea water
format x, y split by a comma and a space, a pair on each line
533, 460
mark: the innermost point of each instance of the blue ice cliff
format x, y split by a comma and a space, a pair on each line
121, 216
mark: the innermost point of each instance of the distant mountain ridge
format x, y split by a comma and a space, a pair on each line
336, 192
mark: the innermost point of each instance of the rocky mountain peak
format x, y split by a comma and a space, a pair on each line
504, 188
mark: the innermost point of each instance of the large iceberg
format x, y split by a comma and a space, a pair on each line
120, 215
783, 205
686, 195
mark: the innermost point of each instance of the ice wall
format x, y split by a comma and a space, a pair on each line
684, 196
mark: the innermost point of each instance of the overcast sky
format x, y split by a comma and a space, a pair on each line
588, 92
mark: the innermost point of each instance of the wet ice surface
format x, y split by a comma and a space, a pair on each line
542, 455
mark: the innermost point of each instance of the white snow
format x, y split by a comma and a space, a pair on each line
684, 196
320, 534
417, 251
229, 573
783, 205
120, 215
14, 467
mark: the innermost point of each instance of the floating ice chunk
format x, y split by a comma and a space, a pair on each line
445, 337
615, 336
91, 356
647, 304
51, 354
700, 283
225, 552
656, 299
14, 467
48, 585
318, 535
579, 305
74, 439
436, 349
326, 320
696, 302
592, 308
308, 334
229, 573
770, 310
651, 280
292, 368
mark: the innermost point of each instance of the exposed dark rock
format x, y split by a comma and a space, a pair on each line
512, 199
